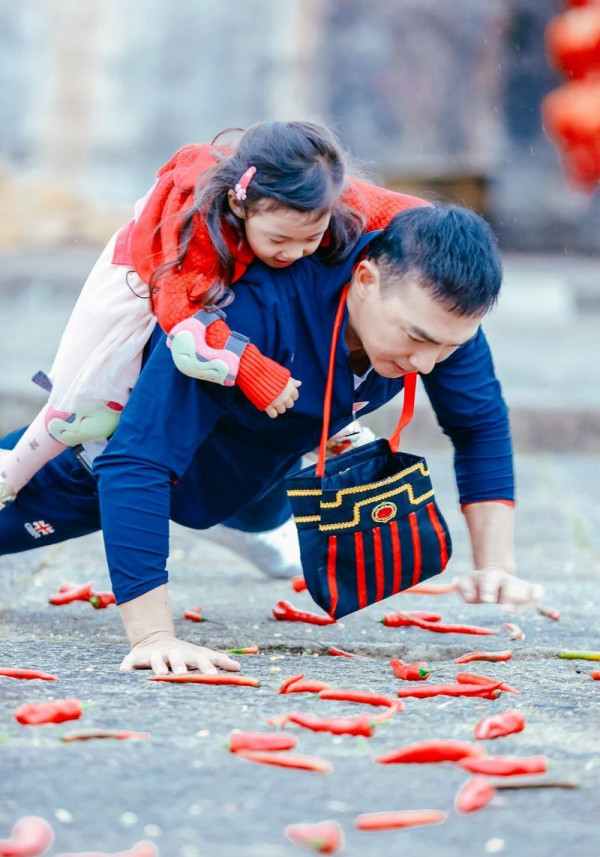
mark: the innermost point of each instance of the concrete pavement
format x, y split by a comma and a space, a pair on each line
181, 788
184, 791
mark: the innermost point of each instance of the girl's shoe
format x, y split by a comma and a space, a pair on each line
73, 429
194, 357
351, 437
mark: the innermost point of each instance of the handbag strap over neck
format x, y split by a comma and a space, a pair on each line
408, 407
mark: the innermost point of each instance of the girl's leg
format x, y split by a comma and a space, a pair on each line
58, 503
97, 363
34, 449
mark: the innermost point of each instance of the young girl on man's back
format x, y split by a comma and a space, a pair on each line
279, 194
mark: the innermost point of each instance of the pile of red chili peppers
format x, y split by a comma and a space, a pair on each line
277, 748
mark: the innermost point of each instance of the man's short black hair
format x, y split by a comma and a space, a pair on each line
450, 249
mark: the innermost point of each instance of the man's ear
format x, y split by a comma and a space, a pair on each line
366, 277
235, 205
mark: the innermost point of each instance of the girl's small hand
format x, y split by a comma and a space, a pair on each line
285, 399
166, 652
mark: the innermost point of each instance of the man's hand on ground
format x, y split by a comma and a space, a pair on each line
166, 652
494, 586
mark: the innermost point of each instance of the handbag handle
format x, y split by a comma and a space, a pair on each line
408, 406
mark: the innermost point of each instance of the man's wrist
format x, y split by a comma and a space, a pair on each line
495, 568
148, 617
491, 531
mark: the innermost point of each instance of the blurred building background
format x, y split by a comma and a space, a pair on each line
438, 98
441, 99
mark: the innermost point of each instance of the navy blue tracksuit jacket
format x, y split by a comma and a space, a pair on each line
198, 453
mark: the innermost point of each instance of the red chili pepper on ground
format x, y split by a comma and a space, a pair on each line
425, 752
246, 650
362, 725
307, 686
292, 679
498, 725
101, 600
551, 614
398, 620
398, 819
476, 793
193, 678
58, 711
339, 653
515, 632
326, 837
431, 589
72, 592
15, 672
484, 656
31, 836
261, 741
298, 584
489, 691
473, 678
418, 671
140, 849
504, 766
360, 696
194, 614
387, 714
89, 734
402, 617
295, 684
288, 760
284, 611
595, 675
442, 628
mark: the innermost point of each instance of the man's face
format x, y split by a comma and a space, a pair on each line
404, 329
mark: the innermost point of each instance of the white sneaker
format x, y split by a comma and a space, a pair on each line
275, 552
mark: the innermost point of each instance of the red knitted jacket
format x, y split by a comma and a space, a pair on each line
152, 240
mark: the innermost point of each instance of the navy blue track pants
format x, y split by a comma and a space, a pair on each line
61, 502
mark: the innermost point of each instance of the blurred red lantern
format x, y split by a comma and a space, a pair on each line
571, 116
573, 3
573, 41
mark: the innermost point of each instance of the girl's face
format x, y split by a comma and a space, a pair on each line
281, 236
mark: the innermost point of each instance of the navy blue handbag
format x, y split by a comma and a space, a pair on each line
367, 520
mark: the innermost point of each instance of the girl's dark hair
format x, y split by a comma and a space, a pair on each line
450, 249
299, 165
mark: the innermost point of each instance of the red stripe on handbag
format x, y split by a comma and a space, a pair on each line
396, 556
416, 542
378, 553
331, 578
435, 523
361, 581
